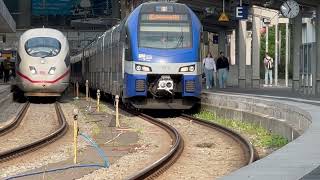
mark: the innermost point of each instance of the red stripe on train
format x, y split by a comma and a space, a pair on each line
33, 81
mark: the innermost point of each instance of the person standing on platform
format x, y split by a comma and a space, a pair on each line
1, 70
268, 65
13, 70
209, 68
6, 67
223, 69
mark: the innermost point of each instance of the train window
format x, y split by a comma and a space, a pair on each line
165, 35
164, 8
43, 47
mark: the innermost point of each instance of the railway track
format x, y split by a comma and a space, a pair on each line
246, 145
171, 157
168, 159
20, 150
15, 123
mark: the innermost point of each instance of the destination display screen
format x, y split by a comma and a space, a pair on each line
164, 17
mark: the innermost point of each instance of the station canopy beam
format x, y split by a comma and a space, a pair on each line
7, 23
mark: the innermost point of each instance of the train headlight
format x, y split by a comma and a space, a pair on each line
146, 68
190, 68
162, 84
52, 70
143, 68
138, 68
33, 70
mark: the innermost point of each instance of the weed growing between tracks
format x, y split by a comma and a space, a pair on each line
259, 136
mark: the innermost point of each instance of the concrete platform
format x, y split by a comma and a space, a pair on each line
268, 91
4, 89
295, 160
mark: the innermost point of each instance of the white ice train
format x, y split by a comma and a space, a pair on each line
43, 62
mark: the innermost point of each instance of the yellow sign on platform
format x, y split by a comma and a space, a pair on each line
5, 56
223, 17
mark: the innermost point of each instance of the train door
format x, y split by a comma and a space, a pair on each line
111, 62
108, 64
91, 68
99, 64
87, 68
118, 61
102, 65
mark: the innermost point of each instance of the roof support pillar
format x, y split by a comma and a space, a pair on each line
296, 43
241, 49
318, 51
222, 42
256, 26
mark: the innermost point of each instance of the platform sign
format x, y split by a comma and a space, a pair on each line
242, 12
223, 17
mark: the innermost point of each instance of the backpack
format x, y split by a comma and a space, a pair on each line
269, 63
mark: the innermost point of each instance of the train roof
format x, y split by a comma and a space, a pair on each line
42, 32
173, 7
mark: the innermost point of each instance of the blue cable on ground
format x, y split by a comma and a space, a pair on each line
88, 139
96, 146
57, 169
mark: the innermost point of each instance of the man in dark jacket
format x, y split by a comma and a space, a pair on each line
223, 68
1, 70
6, 67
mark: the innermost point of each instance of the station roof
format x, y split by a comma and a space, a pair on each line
7, 24
210, 19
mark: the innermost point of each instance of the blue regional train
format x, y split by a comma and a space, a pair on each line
151, 59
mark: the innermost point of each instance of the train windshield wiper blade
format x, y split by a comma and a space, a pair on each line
180, 40
47, 55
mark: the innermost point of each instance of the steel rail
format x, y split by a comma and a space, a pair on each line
17, 120
162, 164
248, 148
18, 151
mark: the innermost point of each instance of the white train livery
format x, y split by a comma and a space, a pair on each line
43, 62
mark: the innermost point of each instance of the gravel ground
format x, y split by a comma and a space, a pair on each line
35, 125
8, 113
153, 144
208, 154
53, 153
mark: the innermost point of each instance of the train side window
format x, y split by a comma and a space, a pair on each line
128, 55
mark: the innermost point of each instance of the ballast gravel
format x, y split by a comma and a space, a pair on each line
153, 143
208, 153
7, 113
34, 126
53, 153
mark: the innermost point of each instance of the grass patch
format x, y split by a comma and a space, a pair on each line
259, 136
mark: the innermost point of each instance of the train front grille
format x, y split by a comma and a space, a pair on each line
140, 85
190, 86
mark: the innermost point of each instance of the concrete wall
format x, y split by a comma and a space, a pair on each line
281, 119
233, 76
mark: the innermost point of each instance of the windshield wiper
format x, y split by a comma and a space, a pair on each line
180, 41
47, 55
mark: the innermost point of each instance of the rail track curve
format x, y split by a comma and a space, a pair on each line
21, 150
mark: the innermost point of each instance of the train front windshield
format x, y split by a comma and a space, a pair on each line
43, 47
162, 31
